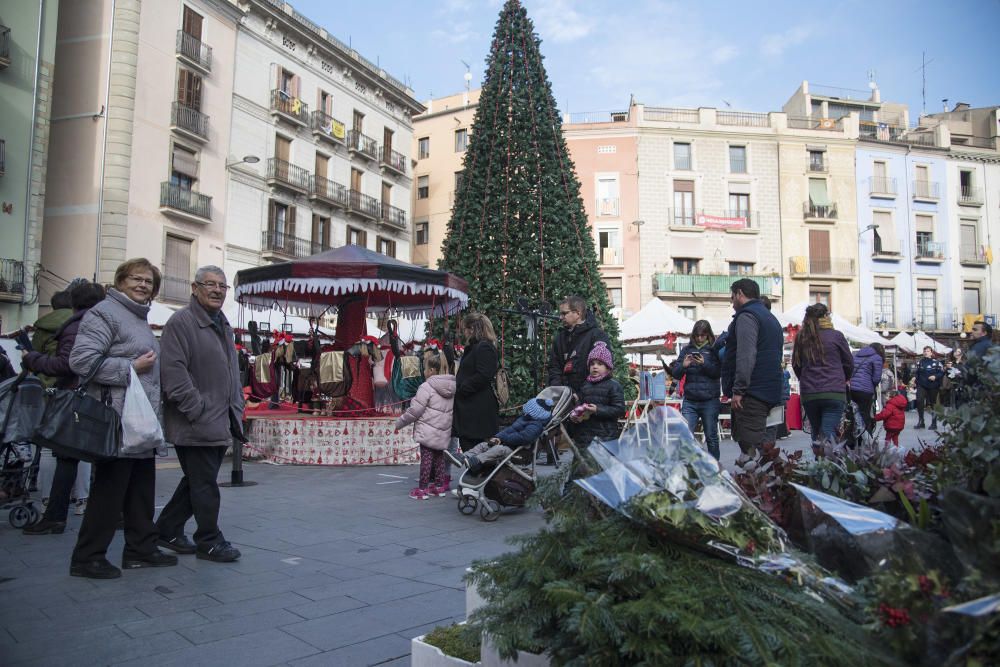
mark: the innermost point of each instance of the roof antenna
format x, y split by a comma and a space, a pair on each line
468, 82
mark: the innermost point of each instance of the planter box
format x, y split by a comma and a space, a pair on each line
490, 657
423, 654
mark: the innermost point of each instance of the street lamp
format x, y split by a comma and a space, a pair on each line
247, 159
870, 228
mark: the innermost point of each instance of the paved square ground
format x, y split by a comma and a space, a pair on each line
339, 567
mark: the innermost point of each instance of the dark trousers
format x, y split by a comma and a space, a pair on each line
62, 487
196, 495
926, 399
864, 401
122, 487
824, 417
466, 443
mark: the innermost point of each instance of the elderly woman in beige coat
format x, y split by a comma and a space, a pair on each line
432, 410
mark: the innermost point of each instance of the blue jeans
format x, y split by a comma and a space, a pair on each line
708, 413
824, 417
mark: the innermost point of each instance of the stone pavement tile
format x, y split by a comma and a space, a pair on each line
379, 588
326, 607
100, 616
160, 624
166, 607
450, 578
372, 652
255, 623
132, 583
398, 662
398, 536
238, 592
218, 577
443, 600
354, 555
344, 629
410, 567
428, 542
261, 649
344, 573
21, 613
110, 651
38, 647
253, 606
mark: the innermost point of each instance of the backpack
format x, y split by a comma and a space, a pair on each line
501, 386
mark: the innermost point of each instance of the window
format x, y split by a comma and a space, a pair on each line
459, 178
387, 136
423, 148
683, 204
356, 175
191, 23
614, 289
819, 200
885, 234
183, 167
969, 244
965, 180
423, 187
738, 159
320, 233
885, 305
819, 252
927, 308
607, 196
610, 247
817, 161
925, 244
690, 312
739, 205
357, 237
358, 122
189, 89
740, 268
682, 156
280, 224
880, 171
461, 140
385, 246
176, 283
687, 267
325, 102
422, 231
971, 305
820, 294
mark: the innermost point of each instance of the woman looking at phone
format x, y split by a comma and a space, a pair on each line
698, 362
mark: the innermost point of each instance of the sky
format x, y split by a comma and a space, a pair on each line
750, 55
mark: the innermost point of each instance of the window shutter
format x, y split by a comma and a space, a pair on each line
291, 221
315, 230
683, 186
925, 223
886, 229
885, 282
192, 23
295, 86
926, 283
195, 92
182, 87
270, 216
184, 161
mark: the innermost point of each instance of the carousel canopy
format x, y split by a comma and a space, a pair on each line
655, 320
350, 274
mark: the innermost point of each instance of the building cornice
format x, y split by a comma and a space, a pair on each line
472, 106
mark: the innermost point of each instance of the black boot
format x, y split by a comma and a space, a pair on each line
45, 527
95, 569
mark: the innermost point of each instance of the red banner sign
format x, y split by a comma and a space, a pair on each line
717, 222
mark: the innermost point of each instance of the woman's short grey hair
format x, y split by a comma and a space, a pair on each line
199, 275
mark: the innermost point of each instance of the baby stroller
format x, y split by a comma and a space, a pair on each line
512, 481
18, 466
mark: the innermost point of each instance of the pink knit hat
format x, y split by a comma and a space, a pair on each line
602, 354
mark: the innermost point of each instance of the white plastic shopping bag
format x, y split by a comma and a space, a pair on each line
141, 430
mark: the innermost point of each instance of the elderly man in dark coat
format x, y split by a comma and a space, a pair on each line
203, 409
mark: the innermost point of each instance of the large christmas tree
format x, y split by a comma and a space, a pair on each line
518, 228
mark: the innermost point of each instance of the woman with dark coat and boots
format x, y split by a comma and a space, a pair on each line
601, 400
698, 363
476, 409
867, 375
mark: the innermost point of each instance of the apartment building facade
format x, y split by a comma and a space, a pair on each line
332, 132
140, 138
441, 135
27, 67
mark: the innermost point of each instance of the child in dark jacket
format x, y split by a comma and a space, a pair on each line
524, 431
602, 400
894, 416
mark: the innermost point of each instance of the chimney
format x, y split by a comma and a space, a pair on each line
961, 106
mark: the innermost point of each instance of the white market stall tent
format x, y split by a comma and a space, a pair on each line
654, 321
853, 332
915, 344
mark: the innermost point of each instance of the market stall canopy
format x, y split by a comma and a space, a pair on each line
350, 274
916, 343
654, 321
853, 332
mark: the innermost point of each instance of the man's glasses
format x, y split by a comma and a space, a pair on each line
213, 286
138, 280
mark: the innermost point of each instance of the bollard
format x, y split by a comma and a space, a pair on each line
236, 475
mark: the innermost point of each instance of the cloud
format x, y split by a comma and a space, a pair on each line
775, 44
456, 32
561, 22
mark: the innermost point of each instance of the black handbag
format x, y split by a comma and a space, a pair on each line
80, 426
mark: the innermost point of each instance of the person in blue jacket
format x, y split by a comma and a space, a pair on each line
930, 373
522, 433
698, 362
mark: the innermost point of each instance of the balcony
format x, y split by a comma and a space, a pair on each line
808, 123
607, 207
930, 252
670, 114
969, 196
743, 118
279, 244
175, 288
288, 108
892, 134
612, 257
818, 166
362, 145
929, 191
972, 255
929, 320
733, 221
878, 321
364, 205
819, 212
189, 122
12, 280
328, 128
831, 268
393, 161
705, 286
282, 173
328, 192
394, 216
194, 51
185, 204
4, 48
887, 250
882, 186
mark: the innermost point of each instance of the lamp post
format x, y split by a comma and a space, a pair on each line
247, 159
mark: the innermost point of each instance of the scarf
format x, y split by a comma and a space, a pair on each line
599, 378
825, 322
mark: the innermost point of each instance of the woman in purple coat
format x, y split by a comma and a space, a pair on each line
867, 375
823, 364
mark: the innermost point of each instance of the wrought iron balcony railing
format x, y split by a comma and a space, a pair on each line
972, 254
818, 166
926, 190
283, 172
607, 207
291, 246
188, 119
970, 196
328, 127
715, 283
612, 256
881, 185
4, 46
362, 143
930, 250
329, 191
393, 160
813, 211
883, 248
12, 286
744, 118
812, 123
394, 216
184, 199
833, 267
194, 50
289, 107
365, 205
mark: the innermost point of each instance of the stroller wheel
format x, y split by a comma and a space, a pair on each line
19, 516
35, 515
467, 504
489, 510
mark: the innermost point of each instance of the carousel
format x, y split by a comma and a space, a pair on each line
331, 397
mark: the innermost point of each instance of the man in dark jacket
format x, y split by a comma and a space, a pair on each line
751, 366
43, 340
982, 337
573, 343
930, 373
203, 409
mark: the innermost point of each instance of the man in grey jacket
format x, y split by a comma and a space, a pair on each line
203, 409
